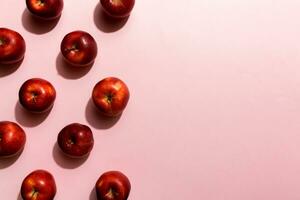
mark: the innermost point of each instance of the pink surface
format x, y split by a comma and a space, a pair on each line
214, 108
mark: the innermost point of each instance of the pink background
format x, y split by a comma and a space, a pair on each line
214, 108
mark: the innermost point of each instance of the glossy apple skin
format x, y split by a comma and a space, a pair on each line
79, 48
38, 185
12, 46
45, 9
76, 140
110, 96
12, 139
112, 185
37, 95
117, 8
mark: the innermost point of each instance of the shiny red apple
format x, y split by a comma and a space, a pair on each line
76, 140
118, 8
79, 48
45, 9
37, 95
38, 185
112, 185
12, 139
12, 46
110, 96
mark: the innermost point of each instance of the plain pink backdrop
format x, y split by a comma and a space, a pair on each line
214, 108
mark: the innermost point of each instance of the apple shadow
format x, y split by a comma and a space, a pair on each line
35, 25
96, 119
64, 161
29, 119
7, 69
68, 71
19, 196
93, 195
105, 23
6, 162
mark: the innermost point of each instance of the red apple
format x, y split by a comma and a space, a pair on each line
110, 96
76, 140
45, 9
38, 185
79, 48
12, 139
112, 185
12, 46
117, 8
37, 95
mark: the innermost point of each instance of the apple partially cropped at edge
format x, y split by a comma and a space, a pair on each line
37, 95
113, 185
12, 139
79, 48
38, 185
45, 9
76, 140
118, 8
12, 46
111, 96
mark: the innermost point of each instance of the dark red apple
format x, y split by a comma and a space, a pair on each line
45, 9
79, 48
38, 185
12, 46
110, 96
118, 8
37, 95
76, 140
112, 185
12, 139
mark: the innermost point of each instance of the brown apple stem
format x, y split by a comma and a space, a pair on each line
1, 41
41, 2
34, 99
117, 2
74, 48
34, 194
72, 140
0, 137
34, 96
111, 194
109, 98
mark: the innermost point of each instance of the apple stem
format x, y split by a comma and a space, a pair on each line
111, 193
109, 98
117, 2
41, 2
71, 141
74, 48
34, 194
1, 41
34, 95
34, 99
